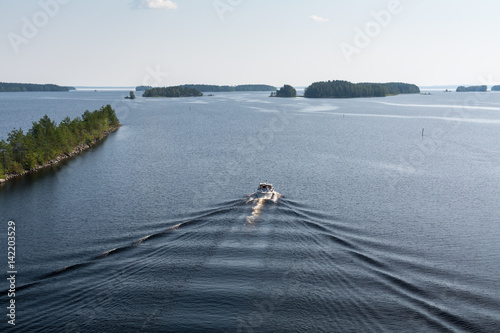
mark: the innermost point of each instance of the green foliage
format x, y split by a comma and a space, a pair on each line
143, 88
214, 88
483, 88
285, 91
131, 95
254, 87
177, 91
209, 88
244, 87
495, 88
396, 88
6, 160
345, 89
21, 87
46, 140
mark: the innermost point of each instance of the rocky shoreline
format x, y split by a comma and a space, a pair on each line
76, 151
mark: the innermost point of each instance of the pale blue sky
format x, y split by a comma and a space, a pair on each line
125, 43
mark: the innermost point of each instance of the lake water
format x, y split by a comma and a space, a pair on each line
377, 228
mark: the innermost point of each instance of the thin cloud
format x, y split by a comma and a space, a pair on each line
154, 4
317, 18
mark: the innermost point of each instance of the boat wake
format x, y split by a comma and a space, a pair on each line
259, 201
274, 245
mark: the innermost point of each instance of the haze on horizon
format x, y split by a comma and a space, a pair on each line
170, 42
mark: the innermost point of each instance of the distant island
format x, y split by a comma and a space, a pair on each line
176, 91
130, 96
24, 87
215, 88
346, 89
495, 88
46, 143
482, 88
285, 91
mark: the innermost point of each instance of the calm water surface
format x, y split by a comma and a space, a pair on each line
377, 228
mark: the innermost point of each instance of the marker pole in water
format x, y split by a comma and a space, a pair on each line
422, 132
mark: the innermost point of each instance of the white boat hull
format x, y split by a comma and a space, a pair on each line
265, 191
265, 195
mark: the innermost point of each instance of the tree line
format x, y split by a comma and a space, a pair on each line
143, 88
243, 87
482, 88
285, 91
209, 88
495, 88
177, 91
254, 87
328, 89
216, 88
346, 89
396, 88
23, 87
46, 140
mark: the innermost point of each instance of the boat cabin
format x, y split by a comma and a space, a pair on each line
265, 187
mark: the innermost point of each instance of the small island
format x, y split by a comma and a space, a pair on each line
215, 88
25, 87
495, 88
482, 88
176, 91
143, 88
346, 89
285, 91
130, 96
243, 87
46, 143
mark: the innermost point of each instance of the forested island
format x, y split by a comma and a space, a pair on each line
46, 143
23, 87
215, 88
143, 88
346, 89
285, 91
482, 88
130, 96
495, 88
243, 87
176, 91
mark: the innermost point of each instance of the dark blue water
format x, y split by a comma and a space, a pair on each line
378, 228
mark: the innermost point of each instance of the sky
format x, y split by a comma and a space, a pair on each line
230, 42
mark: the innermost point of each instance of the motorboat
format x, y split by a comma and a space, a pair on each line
265, 189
